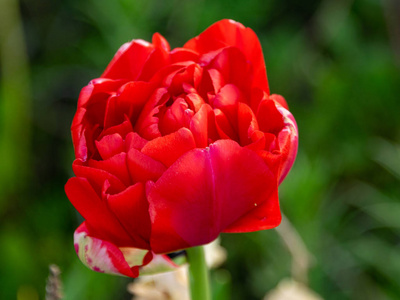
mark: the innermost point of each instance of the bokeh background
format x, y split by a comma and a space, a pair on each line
337, 62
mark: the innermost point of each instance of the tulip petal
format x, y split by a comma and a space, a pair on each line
102, 256
227, 101
227, 33
269, 118
92, 104
203, 126
115, 165
195, 101
257, 141
247, 123
160, 42
129, 60
159, 264
182, 54
133, 140
130, 100
99, 219
264, 216
288, 142
167, 149
147, 123
122, 129
157, 59
224, 126
280, 100
217, 79
204, 192
96, 90
232, 65
97, 177
110, 145
142, 167
131, 209
176, 116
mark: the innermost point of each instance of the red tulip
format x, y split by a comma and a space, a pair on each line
174, 147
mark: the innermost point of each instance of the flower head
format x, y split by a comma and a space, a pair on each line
174, 147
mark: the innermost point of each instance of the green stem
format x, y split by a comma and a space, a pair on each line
15, 104
198, 274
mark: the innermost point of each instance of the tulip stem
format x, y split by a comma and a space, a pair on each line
198, 274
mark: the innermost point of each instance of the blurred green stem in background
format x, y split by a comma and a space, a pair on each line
301, 258
391, 9
15, 105
199, 278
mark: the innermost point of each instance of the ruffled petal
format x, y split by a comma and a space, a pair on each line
159, 264
247, 123
227, 33
269, 118
203, 126
195, 101
233, 66
160, 42
122, 129
288, 142
105, 257
99, 219
128, 101
97, 177
158, 59
115, 165
262, 217
204, 192
142, 167
224, 126
176, 116
147, 123
182, 54
217, 79
191, 75
133, 140
98, 87
276, 119
92, 104
227, 100
129, 60
167, 149
130, 207
110, 145
280, 100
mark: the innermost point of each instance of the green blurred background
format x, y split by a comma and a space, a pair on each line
337, 63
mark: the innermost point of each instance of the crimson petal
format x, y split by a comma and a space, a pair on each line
100, 221
181, 54
204, 192
227, 33
131, 209
265, 216
142, 167
110, 145
201, 126
129, 60
167, 149
115, 165
97, 177
133, 140
269, 118
288, 142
